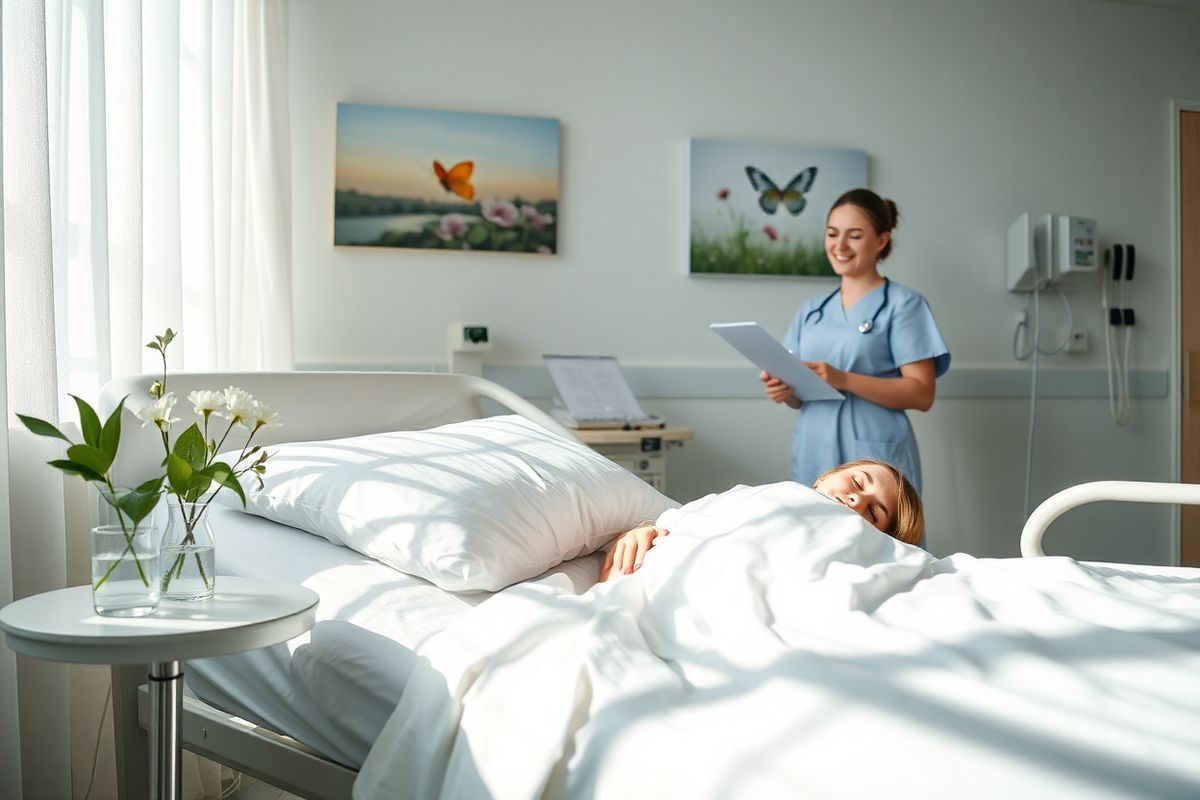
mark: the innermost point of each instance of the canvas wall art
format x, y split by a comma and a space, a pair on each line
758, 208
446, 180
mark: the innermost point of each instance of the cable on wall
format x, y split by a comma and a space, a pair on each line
1032, 335
1022, 330
1034, 351
99, 736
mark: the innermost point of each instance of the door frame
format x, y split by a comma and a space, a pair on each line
1176, 379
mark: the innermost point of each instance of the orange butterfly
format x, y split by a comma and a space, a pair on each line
457, 180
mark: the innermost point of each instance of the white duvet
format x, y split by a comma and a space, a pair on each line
775, 645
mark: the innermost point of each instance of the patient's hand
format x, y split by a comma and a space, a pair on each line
628, 549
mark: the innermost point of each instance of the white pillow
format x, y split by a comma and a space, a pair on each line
471, 505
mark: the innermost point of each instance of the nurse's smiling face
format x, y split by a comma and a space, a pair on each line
852, 243
868, 489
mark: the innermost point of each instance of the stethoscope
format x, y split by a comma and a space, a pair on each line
867, 325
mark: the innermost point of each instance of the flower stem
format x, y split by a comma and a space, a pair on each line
128, 548
176, 568
117, 562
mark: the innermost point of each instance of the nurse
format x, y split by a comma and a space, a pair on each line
872, 339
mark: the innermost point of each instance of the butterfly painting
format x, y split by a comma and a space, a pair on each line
457, 179
737, 227
792, 195
431, 179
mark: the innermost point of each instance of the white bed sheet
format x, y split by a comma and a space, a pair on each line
334, 688
776, 646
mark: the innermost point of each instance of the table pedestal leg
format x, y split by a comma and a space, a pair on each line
166, 747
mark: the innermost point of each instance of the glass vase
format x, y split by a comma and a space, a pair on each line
125, 569
187, 554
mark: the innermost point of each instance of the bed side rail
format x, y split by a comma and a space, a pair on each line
1127, 491
272, 757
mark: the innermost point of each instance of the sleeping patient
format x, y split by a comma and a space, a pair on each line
873, 489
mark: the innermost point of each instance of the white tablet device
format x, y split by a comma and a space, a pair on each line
769, 355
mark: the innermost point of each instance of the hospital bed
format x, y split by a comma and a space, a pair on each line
305, 715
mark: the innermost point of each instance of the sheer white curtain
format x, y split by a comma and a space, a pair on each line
145, 170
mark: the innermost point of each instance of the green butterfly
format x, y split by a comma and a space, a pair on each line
792, 195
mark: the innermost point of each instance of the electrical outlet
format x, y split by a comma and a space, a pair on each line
1077, 339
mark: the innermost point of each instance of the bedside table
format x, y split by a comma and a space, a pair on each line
642, 451
244, 614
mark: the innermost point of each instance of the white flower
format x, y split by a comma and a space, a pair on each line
239, 405
452, 225
262, 416
206, 402
501, 212
159, 412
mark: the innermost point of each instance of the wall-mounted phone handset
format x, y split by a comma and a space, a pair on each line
1130, 260
1116, 301
1117, 261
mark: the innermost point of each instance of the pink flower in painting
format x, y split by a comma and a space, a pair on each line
770, 231
541, 248
500, 212
529, 212
722, 194
452, 225
541, 221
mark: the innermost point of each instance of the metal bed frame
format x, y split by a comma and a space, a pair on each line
367, 403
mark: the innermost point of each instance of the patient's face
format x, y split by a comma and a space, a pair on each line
869, 489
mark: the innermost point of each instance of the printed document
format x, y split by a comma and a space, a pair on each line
769, 355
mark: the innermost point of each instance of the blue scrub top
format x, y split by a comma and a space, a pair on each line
831, 432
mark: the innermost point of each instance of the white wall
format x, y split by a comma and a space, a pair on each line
971, 111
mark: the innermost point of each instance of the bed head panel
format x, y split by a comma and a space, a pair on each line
314, 405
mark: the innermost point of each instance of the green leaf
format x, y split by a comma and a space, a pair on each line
160, 342
42, 428
72, 468
185, 481
138, 503
477, 235
91, 457
152, 485
222, 474
179, 474
191, 448
197, 488
89, 421
110, 436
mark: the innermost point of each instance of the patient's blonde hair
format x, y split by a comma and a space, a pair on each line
908, 523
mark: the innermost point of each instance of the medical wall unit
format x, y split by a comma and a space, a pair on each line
1045, 253
1050, 248
1074, 247
1023, 270
465, 346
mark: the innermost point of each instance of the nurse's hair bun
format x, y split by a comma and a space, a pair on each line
882, 212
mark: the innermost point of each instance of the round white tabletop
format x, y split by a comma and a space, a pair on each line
244, 614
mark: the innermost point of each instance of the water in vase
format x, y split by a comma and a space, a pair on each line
188, 571
124, 571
